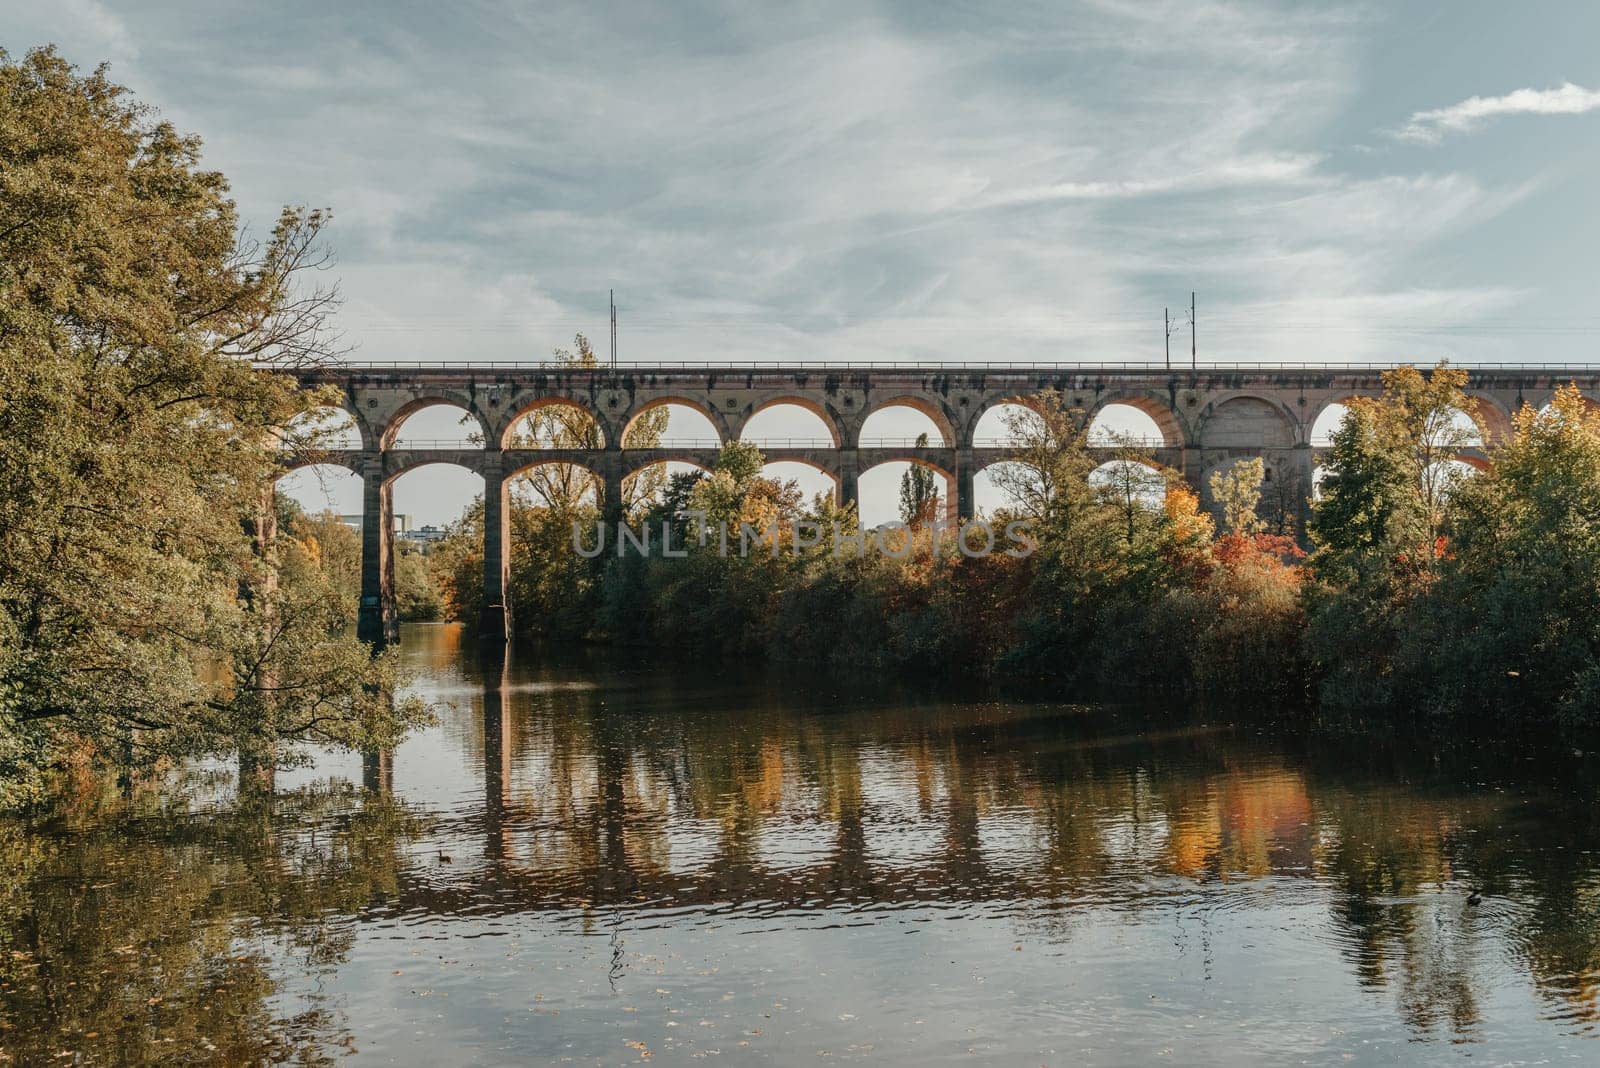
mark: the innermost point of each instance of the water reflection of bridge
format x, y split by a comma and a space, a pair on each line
586, 807
663, 801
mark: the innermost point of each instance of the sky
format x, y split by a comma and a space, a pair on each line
905, 181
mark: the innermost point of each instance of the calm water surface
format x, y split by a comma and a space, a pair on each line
604, 863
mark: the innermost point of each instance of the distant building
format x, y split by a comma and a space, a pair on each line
424, 535
402, 523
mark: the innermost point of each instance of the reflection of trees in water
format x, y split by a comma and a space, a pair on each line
661, 793
147, 935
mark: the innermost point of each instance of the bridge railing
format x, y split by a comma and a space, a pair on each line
464, 445
903, 365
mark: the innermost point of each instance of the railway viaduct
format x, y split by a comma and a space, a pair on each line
1208, 418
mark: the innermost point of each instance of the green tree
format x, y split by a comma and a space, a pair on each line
1134, 490
141, 616
1238, 491
919, 499
1512, 629
417, 598
1390, 473
1048, 468
1377, 529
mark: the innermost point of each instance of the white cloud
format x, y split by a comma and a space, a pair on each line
1429, 127
1241, 171
843, 181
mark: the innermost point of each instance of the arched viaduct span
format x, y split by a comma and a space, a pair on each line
1208, 418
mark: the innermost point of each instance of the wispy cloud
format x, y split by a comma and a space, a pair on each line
1242, 171
849, 179
1429, 127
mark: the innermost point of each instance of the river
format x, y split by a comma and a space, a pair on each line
600, 860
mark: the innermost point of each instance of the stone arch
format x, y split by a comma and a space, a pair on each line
344, 458
632, 472
524, 474
450, 496
969, 432
1309, 430
671, 456
389, 433
364, 437
815, 465
1248, 421
830, 421
912, 458
935, 412
1158, 407
399, 462
523, 410
1548, 397
1492, 417
718, 423
531, 459
347, 491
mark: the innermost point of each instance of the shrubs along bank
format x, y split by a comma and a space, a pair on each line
1426, 589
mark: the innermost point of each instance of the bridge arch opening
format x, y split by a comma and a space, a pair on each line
323, 488
671, 422
435, 425
811, 479
989, 495
433, 495
1441, 478
1461, 469
880, 498
1121, 423
1015, 487
1130, 483
651, 483
1590, 405
1001, 424
322, 429
557, 485
899, 422
790, 423
1328, 422
1489, 419
319, 526
554, 424
1454, 425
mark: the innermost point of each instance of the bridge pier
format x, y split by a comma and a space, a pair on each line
377, 771
494, 664
611, 499
494, 618
377, 621
849, 474
966, 476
